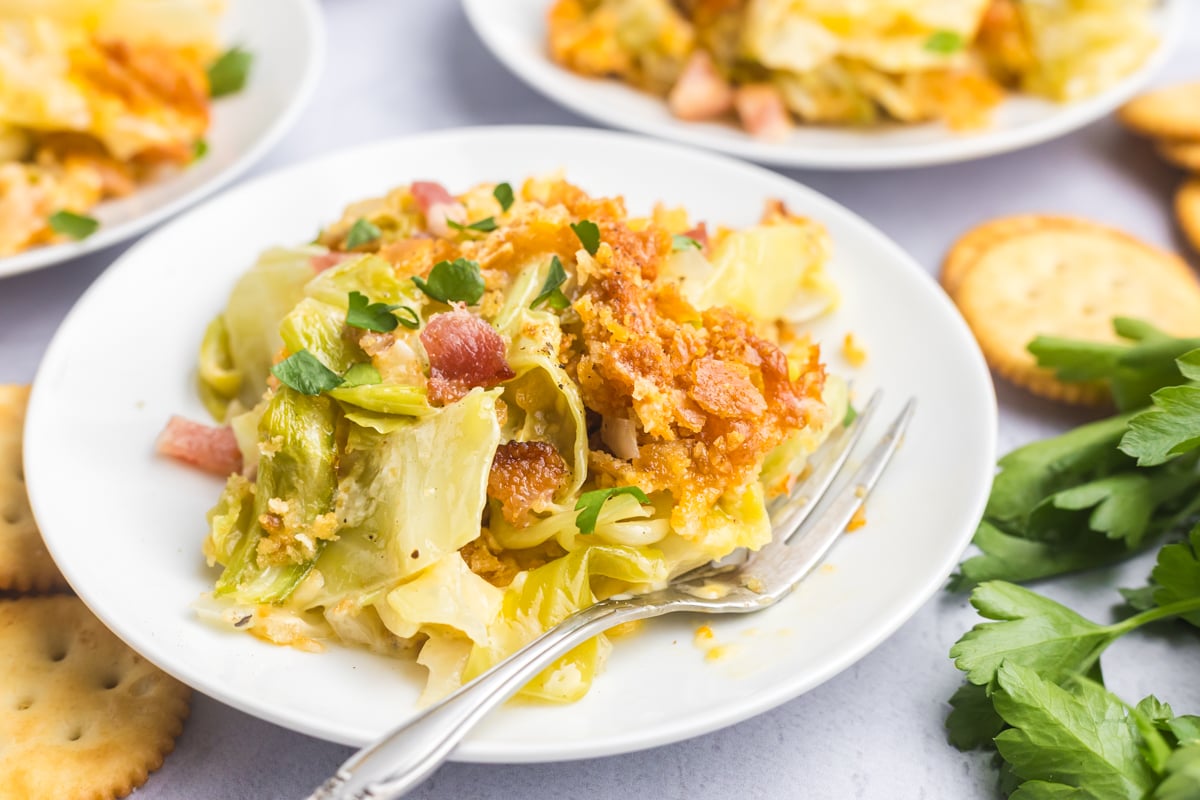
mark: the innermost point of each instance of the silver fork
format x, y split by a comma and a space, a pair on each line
404, 758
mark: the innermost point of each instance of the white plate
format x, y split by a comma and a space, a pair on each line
288, 42
515, 32
125, 526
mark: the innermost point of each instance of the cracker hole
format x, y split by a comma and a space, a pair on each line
1089, 311
75, 735
24, 704
12, 515
58, 653
142, 685
111, 682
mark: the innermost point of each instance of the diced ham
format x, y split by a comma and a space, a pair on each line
762, 112
325, 261
701, 92
206, 447
464, 352
438, 206
524, 478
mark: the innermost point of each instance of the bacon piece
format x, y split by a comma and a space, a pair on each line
524, 477
762, 112
438, 206
464, 352
699, 235
206, 447
700, 93
325, 261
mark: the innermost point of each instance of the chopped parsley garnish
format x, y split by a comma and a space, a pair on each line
945, 43
482, 226
681, 242
199, 149
551, 294
378, 317
504, 195
304, 373
362, 232
405, 316
453, 281
851, 415
227, 75
589, 505
76, 226
589, 235
362, 374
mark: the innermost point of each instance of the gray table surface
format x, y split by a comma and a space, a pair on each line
875, 731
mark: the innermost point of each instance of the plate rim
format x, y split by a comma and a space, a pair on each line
313, 26
495, 752
969, 147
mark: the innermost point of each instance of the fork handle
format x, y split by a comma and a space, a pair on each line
396, 764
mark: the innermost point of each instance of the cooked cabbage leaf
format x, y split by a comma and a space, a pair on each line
543, 597
296, 469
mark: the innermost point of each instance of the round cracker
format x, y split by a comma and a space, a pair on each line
82, 717
25, 564
1070, 279
1187, 209
1181, 153
1172, 112
972, 244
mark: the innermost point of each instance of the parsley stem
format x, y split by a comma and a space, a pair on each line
1175, 609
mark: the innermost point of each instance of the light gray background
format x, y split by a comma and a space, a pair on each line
875, 731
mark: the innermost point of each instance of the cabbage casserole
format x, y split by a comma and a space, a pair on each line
454, 420
767, 63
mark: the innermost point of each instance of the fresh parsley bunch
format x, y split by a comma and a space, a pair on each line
1101, 492
1034, 689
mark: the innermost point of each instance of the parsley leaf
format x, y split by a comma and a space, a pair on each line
76, 226
1182, 781
457, 281
482, 226
362, 313
589, 235
199, 149
681, 242
504, 195
1014, 558
1176, 576
945, 43
974, 722
551, 294
304, 373
1170, 428
362, 232
1032, 630
227, 75
1133, 371
1078, 738
405, 316
590, 503
361, 374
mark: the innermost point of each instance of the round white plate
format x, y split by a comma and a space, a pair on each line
287, 39
515, 32
125, 526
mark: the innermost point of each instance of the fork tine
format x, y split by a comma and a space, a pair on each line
795, 509
780, 565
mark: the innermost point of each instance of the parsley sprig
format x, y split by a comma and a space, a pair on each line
590, 503
589, 235
551, 293
485, 225
379, 317
75, 226
305, 373
1035, 691
458, 281
228, 74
